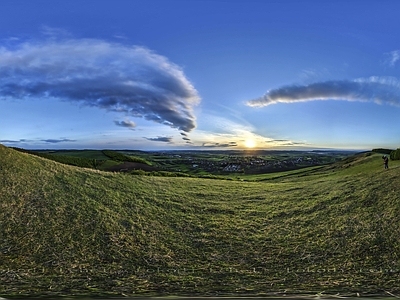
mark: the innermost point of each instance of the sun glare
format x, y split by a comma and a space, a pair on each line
250, 143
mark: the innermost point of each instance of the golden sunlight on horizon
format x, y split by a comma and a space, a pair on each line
250, 143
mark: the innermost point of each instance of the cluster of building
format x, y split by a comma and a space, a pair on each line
222, 162
249, 164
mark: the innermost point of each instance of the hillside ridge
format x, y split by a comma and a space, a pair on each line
71, 231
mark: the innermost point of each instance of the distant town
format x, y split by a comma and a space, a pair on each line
194, 162
255, 162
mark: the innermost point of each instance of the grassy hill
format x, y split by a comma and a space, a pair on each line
71, 231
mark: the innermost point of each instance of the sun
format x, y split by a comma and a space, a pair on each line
249, 143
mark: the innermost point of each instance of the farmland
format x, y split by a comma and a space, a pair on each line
198, 162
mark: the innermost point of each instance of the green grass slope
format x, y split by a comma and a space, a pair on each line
71, 231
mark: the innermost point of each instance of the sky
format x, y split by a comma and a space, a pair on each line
200, 74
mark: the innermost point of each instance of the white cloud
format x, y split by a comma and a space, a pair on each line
392, 58
382, 90
131, 80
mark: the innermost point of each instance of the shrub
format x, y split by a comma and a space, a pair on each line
395, 154
382, 150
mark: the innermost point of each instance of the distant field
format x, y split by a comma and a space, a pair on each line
92, 154
229, 164
332, 229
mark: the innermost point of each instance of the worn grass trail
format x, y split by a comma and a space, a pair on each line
71, 231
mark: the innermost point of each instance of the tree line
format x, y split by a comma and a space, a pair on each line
393, 154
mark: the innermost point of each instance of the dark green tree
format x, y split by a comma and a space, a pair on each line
395, 154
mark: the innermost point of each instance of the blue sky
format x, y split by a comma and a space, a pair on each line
200, 74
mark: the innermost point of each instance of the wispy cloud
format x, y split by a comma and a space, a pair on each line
50, 141
309, 75
392, 58
54, 32
164, 139
220, 145
283, 142
382, 90
185, 137
126, 123
56, 141
21, 141
131, 80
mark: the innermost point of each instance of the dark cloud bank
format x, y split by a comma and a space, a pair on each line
220, 145
126, 123
164, 139
49, 141
382, 90
56, 141
127, 79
